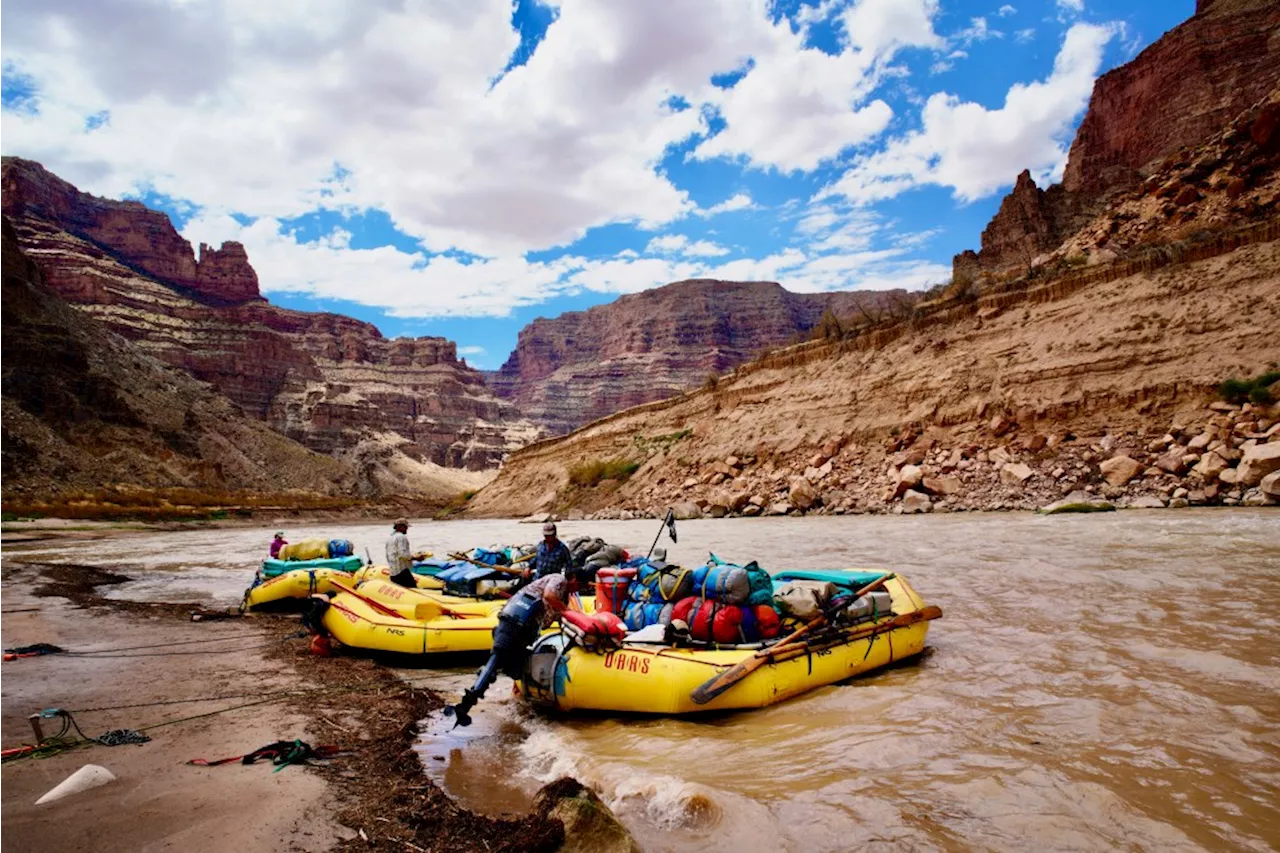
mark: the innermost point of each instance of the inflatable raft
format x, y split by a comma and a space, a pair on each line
353, 621
275, 568
660, 679
297, 584
385, 617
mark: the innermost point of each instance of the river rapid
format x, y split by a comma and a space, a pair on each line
1097, 683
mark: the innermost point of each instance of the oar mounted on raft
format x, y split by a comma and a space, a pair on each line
713, 687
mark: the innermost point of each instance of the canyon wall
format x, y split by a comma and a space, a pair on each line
84, 407
647, 346
1179, 91
333, 383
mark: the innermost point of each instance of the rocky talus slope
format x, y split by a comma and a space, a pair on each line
1007, 401
1177, 93
648, 346
83, 407
393, 408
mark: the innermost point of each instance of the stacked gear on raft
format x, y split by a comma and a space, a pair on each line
719, 602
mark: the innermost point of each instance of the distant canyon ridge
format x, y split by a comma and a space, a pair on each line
403, 415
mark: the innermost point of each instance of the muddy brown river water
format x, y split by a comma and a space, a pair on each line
1104, 682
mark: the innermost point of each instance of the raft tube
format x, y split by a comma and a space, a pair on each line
299, 584
654, 679
356, 623
275, 568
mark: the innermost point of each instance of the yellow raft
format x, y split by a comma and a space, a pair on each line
299, 583
652, 679
353, 621
426, 622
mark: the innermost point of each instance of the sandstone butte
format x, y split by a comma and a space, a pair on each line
407, 414
584, 365
1069, 341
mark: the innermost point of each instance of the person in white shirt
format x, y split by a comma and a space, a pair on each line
399, 555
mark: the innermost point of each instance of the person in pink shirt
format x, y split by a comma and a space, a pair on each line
276, 544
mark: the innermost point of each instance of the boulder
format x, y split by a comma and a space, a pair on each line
914, 501
1000, 456
1119, 470
1147, 502
1078, 501
738, 502
1015, 473
686, 510
1257, 462
801, 493
758, 500
1229, 476
942, 485
1172, 462
1270, 485
779, 508
1201, 441
908, 478
750, 510
717, 510
590, 826
1210, 466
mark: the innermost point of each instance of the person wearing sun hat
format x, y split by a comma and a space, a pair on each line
277, 543
553, 556
399, 554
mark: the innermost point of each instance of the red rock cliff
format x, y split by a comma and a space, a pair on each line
648, 346
140, 238
1177, 93
328, 381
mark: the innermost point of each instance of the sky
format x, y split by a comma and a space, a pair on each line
461, 167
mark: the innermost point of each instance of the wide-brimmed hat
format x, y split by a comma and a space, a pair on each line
548, 529
280, 534
400, 521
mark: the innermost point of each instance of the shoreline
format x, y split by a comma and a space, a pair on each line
375, 795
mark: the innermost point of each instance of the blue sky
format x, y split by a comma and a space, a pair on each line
460, 169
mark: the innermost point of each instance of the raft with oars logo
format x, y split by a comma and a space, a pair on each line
664, 679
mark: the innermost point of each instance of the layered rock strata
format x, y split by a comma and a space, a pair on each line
83, 407
648, 346
1175, 94
1009, 403
327, 381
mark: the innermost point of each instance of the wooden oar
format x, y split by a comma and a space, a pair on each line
372, 602
928, 614
713, 687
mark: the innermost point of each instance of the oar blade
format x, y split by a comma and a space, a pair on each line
713, 687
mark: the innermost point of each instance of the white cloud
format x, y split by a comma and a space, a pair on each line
471, 350
799, 106
738, 201
669, 244
975, 150
978, 30
705, 248
1074, 7
1024, 36
1006, 10
666, 244
278, 109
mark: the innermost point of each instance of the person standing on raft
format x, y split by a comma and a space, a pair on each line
400, 555
553, 555
277, 543
528, 612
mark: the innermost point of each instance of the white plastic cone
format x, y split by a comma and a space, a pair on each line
89, 776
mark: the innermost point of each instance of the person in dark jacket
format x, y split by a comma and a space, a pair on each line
529, 611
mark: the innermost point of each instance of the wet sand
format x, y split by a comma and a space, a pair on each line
158, 802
